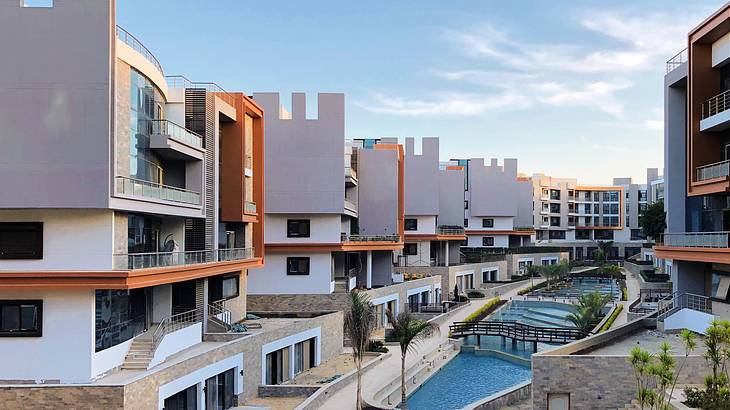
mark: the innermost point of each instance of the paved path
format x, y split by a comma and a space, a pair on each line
376, 377
632, 284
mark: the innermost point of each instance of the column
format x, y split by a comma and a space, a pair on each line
205, 306
447, 252
369, 270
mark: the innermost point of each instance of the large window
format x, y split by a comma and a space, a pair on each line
411, 224
21, 318
410, 249
277, 366
21, 240
223, 287
487, 223
487, 241
555, 194
219, 391
146, 103
297, 266
557, 235
603, 234
120, 315
297, 228
637, 235
554, 208
183, 400
554, 221
582, 234
304, 354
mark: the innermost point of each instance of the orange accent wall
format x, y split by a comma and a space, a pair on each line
454, 168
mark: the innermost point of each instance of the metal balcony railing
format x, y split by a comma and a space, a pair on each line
716, 104
178, 132
714, 170
696, 239
137, 187
369, 238
678, 301
676, 61
173, 323
163, 259
180, 81
249, 207
351, 173
449, 230
130, 40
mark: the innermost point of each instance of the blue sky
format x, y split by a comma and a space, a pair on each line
571, 89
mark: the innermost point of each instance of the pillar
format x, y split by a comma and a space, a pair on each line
534, 347
369, 270
205, 306
447, 252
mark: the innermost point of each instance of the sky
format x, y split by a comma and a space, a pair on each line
570, 89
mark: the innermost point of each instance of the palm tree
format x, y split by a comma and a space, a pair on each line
589, 308
604, 248
359, 326
408, 332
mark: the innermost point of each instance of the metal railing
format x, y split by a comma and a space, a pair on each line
696, 239
249, 207
714, 170
112, 335
178, 132
517, 331
162, 259
716, 104
450, 230
138, 187
180, 81
369, 238
173, 323
218, 314
676, 61
678, 301
523, 228
130, 40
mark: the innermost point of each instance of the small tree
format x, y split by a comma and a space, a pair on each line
640, 361
653, 220
359, 326
688, 338
408, 332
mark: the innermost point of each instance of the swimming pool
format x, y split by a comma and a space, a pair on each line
581, 286
466, 379
535, 313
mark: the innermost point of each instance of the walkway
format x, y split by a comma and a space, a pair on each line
376, 377
632, 284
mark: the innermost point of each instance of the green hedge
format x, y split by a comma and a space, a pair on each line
624, 294
485, 310
612, 318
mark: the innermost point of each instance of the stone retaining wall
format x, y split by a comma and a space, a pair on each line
57, 397
287, 390
504, 398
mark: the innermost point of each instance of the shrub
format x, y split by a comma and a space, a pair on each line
377, 346
624, 294
239, 328
462, 298
485, 310
472, 294
612, 318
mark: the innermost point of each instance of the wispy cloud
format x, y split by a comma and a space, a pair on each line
445, 104
599, 95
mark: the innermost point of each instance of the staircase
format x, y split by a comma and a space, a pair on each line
341, 285
140, 354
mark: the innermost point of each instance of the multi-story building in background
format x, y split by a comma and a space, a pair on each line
131, 214
695, 249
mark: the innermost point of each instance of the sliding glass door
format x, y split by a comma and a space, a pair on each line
219, 391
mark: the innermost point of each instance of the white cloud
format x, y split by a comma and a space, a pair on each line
598, 95
445, 104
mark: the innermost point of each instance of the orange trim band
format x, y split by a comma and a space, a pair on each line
434, 237
454, 168
501, 232
709, 255
333, 247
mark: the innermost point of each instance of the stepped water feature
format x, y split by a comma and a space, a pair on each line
581, 286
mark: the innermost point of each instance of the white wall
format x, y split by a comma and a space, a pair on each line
198, 377
423, 256
73, 239
322, 228
500, 241
291, 341
689, 319
426, 224
272, 278
177, 341
66, 347
110, 358
500, 223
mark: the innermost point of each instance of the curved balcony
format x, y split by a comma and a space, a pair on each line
132, 41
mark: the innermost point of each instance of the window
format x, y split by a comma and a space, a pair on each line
183, 400
554, 208
304, 355
277, 366
642, 208
297, 266
582, 234
557, 235
487, 241
297, 228
586, 208
487, 223
411, 224
554, 221
21, 318
219, 392
596, 196
545, 192
603, 234
410, 249
37, 3
223, 287
21, 240
466, 204
466, 223
596, 209
637, 235
555, 194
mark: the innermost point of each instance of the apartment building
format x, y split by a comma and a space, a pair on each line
497, 203
694, 249
334, 213
433, 225
131, 217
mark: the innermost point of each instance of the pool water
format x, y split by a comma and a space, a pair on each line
580, 286
466, 379
534, 313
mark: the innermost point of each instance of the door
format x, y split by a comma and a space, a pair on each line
219, 391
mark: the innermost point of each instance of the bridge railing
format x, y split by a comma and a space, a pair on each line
517, 331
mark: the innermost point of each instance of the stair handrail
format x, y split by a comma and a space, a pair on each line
173, 323
680, 300
218, 311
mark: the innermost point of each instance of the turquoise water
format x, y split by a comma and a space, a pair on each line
535, 313
581, 286
466, 379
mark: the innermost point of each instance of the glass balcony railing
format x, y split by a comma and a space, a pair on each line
180, 81
369, 238
450, 230
136, 187
249, 207
125, 37
696, 239
164, 259
676, 61
178, 132
715, 170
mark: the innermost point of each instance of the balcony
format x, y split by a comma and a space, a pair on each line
714, 170
369, 238
350, 208
157, 191
710, 247
174, 141
249, 207
676, 61
715, 114
165, 259
350, 176
696, 239
125, 37
180, 81
450, 230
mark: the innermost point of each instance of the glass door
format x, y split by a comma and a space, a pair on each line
219, 391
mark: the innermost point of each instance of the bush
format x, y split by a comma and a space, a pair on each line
611, 318
472, 294
624, 294
377, 346
485, 310
649, 276
698, 398
462, 298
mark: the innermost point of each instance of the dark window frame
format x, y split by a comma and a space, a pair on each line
290, 259
413, 226
487, 222
487, 239
407, 249
215, 286
38, 331
296, 233
23, 227
466, 223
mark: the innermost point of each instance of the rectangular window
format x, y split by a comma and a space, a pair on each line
183, 400
487, 223
466, 204
466, 223
223, 287
411, 224
277, 366
297, 266
22, 318
582, 234
637, 235
219, 390
555, 194
554, 221
297, 228
596, 196
557, 235
21, 240
37, 3
586, 208
554, 208
410, 249
487, 241
304, 355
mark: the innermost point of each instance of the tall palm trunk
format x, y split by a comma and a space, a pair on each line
403, 401
359, 384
